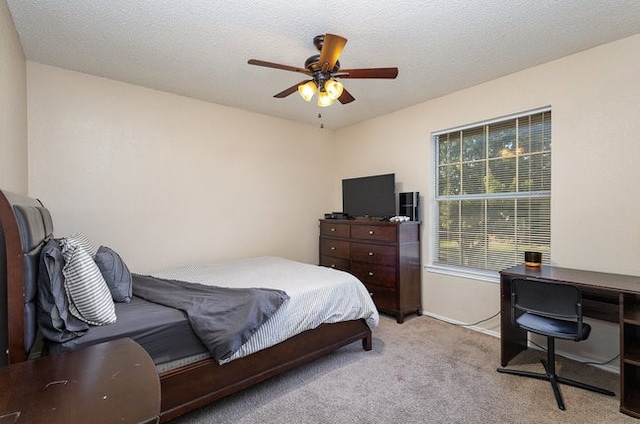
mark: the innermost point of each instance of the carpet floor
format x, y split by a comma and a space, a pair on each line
422, 371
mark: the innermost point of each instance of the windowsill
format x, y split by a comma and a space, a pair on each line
487, 276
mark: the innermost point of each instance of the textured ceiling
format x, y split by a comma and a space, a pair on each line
200, 48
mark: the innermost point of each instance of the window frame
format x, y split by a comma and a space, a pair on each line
459, 270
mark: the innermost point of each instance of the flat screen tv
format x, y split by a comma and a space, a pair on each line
373, 196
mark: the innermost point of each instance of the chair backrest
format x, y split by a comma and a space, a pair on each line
553, 300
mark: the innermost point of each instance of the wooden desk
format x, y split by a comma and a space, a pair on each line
609, 297
113, 382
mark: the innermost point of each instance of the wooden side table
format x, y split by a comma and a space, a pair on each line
112, 382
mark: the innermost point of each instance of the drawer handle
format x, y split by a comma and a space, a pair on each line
333, 230
371, 232
370, 273
370, 253
333, 265
333, 248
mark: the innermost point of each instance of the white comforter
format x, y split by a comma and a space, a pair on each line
317, 295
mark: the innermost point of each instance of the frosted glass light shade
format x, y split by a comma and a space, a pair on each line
307, 90
324, 99
333, 88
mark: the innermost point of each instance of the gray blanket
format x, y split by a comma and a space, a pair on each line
223, 318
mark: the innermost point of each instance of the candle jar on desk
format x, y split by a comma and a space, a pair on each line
533, 259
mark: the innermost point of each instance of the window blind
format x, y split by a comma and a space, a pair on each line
493, 192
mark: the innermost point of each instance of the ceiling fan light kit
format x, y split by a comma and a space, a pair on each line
324, 70
331, 91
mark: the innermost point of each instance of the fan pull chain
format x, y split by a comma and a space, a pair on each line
321, 123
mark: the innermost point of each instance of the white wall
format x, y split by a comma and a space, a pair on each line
595, 101
166, 180
13, 107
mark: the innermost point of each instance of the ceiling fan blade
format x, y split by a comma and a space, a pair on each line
345, 97
331, 50
290, 90
277, 66
390, 73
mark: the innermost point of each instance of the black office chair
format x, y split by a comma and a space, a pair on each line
552, 310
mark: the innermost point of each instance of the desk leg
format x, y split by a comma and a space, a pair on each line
513, 340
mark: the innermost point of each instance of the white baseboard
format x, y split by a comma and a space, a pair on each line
479, 329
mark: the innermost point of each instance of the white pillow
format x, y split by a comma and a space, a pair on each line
89, 296
82, 240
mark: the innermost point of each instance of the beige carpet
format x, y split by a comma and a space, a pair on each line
422, 371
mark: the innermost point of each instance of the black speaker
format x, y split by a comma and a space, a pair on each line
408, 205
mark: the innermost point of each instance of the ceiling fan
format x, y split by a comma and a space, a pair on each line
324, 70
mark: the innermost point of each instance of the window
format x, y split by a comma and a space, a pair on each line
493, 193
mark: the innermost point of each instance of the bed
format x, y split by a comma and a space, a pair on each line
190, 378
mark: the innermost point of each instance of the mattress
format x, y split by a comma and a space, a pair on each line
165, 333
317, 295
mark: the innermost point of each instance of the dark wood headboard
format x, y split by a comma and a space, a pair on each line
25, 225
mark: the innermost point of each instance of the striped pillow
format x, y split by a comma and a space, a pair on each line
82, 240
89, 296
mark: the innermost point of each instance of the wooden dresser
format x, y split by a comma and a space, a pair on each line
385, 256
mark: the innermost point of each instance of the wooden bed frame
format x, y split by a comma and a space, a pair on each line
182, 389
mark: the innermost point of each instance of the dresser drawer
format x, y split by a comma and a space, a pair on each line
374, 274
337, 248
373, 253
333, 262
383, 297
375, 232
334, 229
